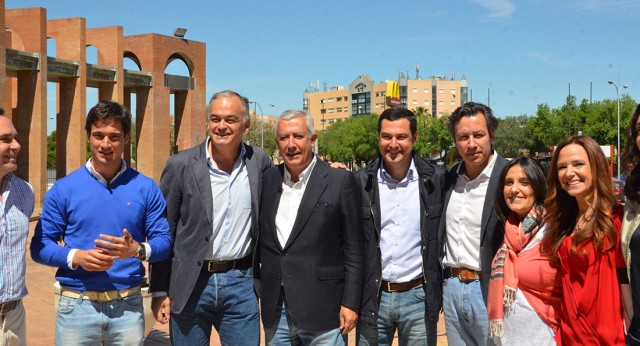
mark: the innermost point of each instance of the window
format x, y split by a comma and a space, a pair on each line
453, 91
361, 103
426, 91
331, 110
339, 99
440, 103
414, 90
426, 103
339, 109
414, 102
453, 103
331, 121
440, 91
332, 100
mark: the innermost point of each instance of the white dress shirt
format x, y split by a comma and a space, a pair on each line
400, 238
290, 202
464, 218
231, 214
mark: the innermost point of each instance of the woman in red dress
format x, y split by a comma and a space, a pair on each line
582, 241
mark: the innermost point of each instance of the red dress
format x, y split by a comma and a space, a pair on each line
591, 307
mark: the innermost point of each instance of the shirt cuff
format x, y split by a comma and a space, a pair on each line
70, 259
158, 294
147, 251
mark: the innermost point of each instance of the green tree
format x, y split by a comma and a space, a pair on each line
433, 136
51, 150
513, 134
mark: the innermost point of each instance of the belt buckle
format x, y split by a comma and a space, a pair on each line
389, 289
465, 278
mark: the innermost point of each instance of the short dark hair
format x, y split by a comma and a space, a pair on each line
1, 111
397, 113
537, 180
470, 109
109, 110
230, 93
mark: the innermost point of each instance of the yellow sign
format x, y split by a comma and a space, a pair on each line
393, 94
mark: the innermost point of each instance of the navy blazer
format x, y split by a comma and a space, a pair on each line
186, 186
321, 267
492, 232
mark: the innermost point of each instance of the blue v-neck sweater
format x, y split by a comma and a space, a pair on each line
79, 208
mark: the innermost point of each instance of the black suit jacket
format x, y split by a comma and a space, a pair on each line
321, 267
492, 232
186, 186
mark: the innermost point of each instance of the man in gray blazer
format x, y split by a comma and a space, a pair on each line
212, 192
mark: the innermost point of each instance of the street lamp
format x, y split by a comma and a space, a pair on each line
618, 92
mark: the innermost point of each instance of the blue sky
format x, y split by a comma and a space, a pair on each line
525, 52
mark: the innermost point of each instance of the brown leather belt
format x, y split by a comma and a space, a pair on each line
225, 266
400, 286
8, 307
464, 274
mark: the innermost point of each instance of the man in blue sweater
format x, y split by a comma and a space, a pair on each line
97, 225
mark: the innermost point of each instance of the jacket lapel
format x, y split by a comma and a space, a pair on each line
314, 190
490, 197
203, 181
274, 189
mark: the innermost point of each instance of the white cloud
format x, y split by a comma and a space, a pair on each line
549, 59
618, 7
497, 8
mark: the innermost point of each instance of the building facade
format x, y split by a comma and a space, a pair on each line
438, 96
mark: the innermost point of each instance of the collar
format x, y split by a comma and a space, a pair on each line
486, 172
304, 175
384, 176
243, 152
89, 166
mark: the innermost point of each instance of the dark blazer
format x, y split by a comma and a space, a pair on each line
492, 232
322, 265
432, 188
432, 191
186, 186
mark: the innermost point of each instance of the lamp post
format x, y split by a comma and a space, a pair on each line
255, 104
322, 101
618, 148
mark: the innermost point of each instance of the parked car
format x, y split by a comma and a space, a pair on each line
618, 190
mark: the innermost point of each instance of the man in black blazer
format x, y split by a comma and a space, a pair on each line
470, 232
212, 192
402, 197
311, 243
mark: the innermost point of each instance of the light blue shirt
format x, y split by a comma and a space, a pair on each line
231, 214
15, 210
400, 238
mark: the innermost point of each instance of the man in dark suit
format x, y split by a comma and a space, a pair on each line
470, 232
402, 198
311, 243
212, 192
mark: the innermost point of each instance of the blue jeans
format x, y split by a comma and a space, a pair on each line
287, 332
89, 322
225, 301
405, 311
465, 314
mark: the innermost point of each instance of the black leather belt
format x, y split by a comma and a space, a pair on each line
225, 266
8, 307
400, 286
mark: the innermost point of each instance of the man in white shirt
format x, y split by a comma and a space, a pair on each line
311, 243
402, 198
470, 232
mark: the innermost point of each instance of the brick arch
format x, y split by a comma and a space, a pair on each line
182, 57
133, 57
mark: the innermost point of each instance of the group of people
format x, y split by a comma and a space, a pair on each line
314, 251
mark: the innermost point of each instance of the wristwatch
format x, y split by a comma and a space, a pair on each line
141, 253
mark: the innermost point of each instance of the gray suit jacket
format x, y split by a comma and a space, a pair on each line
186, 186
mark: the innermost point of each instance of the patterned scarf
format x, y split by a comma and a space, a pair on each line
504, 276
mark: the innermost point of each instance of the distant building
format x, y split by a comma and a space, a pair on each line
438, 96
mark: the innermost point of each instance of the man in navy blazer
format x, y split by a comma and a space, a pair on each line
311, 243
212, 192
470, 232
